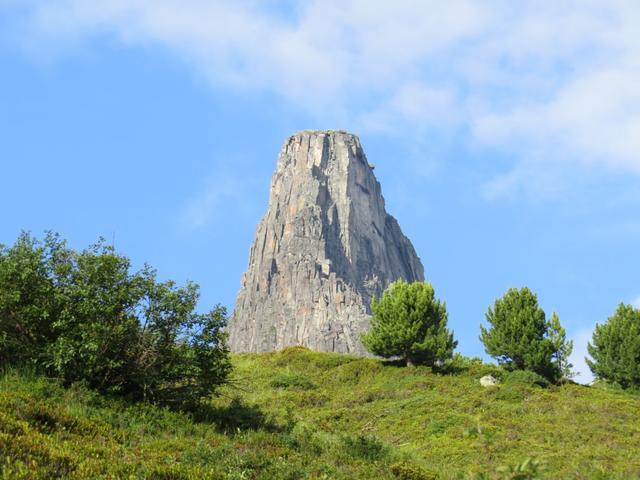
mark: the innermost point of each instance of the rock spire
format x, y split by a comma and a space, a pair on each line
324, 249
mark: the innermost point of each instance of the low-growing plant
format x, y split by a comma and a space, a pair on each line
365, 447
458, 364
525, 377
529, 469
408, 471
294, 381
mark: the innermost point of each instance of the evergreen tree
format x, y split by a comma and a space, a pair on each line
615, 348
410, 323
561, 347
521, 338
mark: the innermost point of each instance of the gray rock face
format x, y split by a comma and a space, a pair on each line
325, 247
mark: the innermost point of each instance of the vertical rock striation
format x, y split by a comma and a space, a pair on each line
325, 247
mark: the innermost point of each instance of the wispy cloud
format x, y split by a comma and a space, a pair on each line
555, 85
636, 302
222, 195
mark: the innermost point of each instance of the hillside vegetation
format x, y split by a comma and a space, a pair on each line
297, 414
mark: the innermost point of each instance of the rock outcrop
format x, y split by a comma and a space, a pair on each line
325, 247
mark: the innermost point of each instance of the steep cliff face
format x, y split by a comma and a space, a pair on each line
325, 247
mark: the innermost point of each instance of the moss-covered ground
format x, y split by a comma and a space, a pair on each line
297, 414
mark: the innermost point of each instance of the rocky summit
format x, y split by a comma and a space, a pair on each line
324, 249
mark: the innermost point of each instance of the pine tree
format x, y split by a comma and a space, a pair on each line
615, 348
521, 338
410, 323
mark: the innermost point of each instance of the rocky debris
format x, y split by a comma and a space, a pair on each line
489, 381
324, 249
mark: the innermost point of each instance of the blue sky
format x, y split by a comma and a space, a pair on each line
506, 135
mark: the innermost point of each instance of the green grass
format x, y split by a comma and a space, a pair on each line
298, 414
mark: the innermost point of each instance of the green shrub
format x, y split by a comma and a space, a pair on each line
525, 377
521, 338
458, 363
29, 301
615, 348
364, 447
530, 469
235, 417
295, 381
513, 393
85, 317
357, 371
410, 323
408, 471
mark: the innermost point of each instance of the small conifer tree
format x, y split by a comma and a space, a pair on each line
615, 348
521, 338
410, 323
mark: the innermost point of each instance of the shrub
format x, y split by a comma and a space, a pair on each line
530, 469
295, 381
28, 300
521, 338
615, 348
85, 317
458, 363
364, 447
525, 377
410, 323
408, 471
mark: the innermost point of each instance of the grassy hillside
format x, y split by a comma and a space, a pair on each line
298, 414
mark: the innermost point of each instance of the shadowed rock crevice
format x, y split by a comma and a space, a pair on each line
324, 249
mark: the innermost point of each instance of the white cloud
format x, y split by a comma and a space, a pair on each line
555, 85
580, 341
415, 107
223, 195
636, 302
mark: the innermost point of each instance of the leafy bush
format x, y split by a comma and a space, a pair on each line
525, 377
458, 363
615, 348
28, 299
408, 471
530, 469
292, 381
364, 447
85, 317
521, 338
410, 323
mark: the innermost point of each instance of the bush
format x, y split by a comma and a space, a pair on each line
410, 323
407, 471
615, 348
84, 317
294, 381
521, 338
458, 363
28, 300
364, 447
525, 377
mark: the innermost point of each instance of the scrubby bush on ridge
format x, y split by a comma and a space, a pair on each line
85, 317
